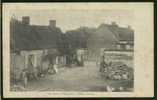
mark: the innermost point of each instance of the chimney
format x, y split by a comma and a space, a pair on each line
52, 23
129, 27
26, 20
114, 23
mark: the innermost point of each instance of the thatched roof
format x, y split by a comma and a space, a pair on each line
28, 37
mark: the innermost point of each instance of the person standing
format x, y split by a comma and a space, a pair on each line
55, 66
102, 64
24, 77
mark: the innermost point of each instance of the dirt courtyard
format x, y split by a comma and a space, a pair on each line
85, 78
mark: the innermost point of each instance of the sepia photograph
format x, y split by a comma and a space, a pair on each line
81, 49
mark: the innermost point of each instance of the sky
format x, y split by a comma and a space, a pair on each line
72, 19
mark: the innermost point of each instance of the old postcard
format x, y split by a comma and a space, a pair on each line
78, 50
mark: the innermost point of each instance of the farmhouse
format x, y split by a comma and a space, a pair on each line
31, 44
110, 37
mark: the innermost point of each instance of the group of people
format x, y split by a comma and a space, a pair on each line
34, 73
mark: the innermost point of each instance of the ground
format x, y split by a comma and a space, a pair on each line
85, 78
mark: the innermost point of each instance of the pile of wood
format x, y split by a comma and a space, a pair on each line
118, 71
